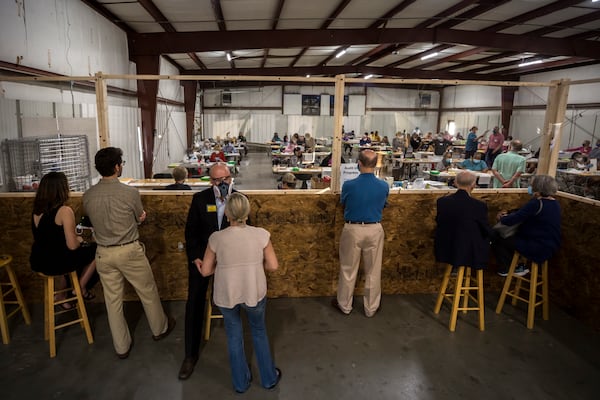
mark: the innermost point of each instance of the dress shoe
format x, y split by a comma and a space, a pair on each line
336, 305
187, 367
170, 326
123, 356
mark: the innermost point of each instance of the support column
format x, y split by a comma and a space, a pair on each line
189, 100
102, 111
336, 147
147, 91
553, 125
508, 98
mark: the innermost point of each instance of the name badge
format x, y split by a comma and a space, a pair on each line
211, 208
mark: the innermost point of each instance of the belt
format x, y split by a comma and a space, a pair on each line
119, 244
361, 222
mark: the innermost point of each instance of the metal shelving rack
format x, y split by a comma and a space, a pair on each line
25, 161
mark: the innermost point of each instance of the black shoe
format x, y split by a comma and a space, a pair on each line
187, 367
170, 327
336, 305
123, 356
273, 386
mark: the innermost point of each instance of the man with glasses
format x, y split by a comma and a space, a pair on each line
115, 211
206, 215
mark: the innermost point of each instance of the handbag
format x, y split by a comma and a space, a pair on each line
506, 231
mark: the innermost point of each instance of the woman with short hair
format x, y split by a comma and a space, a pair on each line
240, 282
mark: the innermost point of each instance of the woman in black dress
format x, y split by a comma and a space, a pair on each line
57, 249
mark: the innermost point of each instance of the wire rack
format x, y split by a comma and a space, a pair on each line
25, 161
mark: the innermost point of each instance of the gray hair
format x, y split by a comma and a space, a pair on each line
465, 179
545, 185
237, 207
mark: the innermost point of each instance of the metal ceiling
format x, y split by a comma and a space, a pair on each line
467, 39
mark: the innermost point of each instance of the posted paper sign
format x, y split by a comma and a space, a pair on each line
348, 172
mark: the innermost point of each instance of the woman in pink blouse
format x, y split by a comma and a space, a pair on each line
238, 256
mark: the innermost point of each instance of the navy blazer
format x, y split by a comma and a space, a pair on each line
462, 236
202, 221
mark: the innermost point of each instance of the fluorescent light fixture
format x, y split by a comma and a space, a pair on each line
308, 75
428, 56
369, 76
528, 63
341, 53
228, 56
140, 145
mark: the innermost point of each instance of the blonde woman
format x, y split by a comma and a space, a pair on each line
240, 282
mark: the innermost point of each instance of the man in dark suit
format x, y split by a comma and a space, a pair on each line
206, 215
462, 236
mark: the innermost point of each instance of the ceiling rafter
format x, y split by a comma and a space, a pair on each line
100, 9
220, 18
275, 19
324, 25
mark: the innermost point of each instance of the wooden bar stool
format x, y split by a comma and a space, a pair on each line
50, 326
14, 287
465, 283
537, 277
209, 311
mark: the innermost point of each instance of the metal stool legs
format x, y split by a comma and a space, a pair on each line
465, 283
13, 287
50, 314
537, 277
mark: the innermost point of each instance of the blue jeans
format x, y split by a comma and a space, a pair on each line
240, 373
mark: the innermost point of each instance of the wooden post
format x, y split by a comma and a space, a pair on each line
553, 124
336, 147
102, 111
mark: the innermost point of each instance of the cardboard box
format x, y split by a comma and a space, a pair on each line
318, 183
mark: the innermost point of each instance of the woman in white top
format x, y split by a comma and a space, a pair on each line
240, 282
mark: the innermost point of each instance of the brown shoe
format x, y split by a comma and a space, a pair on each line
170, 327
187, 367
123, 356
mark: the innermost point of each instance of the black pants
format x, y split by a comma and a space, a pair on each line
194, 310
503, 250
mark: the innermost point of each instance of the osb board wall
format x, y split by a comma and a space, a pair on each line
305, 230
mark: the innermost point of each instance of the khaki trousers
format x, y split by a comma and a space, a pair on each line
114, 265
361, 241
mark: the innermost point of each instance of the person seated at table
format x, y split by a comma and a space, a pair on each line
440, 145
365, 140
301, 140
217, 154
286, 140
415, 141
428, 137
385, 141
474, 163
207, 145
296, 159
275, 138
595, 153
309, 142
585, 148
326, 162
398, 142
345, 138
57, 248
459, 136
445, 162
229, 147
291, 146
288, 181
241, 139
179, 175
538, 235
376, 138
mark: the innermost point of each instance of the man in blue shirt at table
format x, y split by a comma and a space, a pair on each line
363, 198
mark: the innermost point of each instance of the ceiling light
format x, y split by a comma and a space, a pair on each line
528, 63
228, 56
369, 76
341, 53
308, 75
429, 56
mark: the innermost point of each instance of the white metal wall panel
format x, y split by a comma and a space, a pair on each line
123, 125
170, 140
261, 129
9, 128
36, 109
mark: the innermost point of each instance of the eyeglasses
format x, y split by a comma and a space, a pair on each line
218, 181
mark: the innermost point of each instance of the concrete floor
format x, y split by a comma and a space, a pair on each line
404, 352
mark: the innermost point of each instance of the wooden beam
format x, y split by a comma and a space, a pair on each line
102, 111
553, 126
336, 147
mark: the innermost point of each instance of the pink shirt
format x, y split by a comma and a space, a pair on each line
496, 140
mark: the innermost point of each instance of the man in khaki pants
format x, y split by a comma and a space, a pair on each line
362, 237
115, 211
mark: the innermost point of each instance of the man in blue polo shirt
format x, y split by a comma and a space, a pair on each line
363, 198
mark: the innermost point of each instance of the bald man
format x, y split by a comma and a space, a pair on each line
363, 199
206, 215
